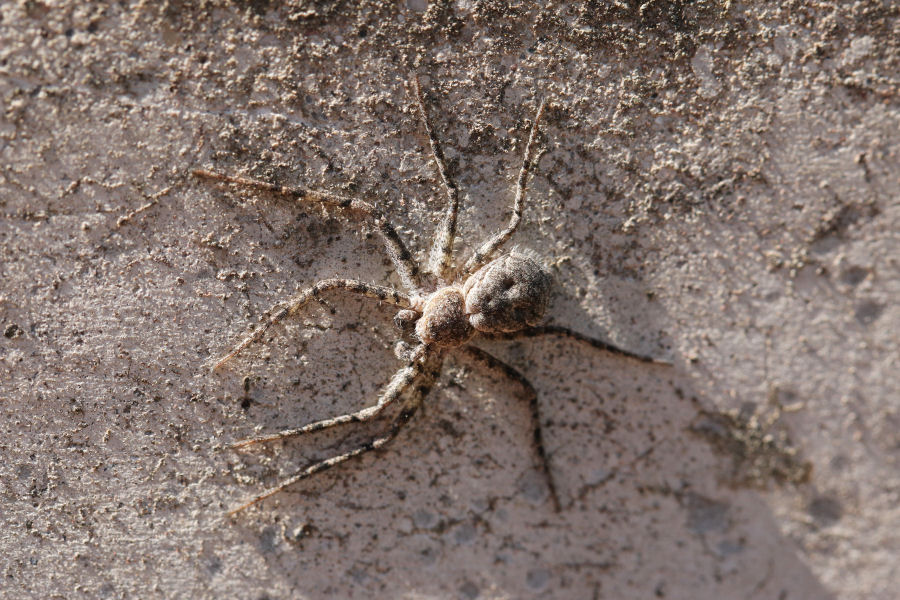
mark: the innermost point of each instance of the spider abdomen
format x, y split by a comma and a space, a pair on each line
508, 294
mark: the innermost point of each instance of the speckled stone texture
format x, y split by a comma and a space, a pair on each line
719, 187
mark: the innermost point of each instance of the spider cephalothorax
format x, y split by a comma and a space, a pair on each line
506, 295
443, 320
495, 296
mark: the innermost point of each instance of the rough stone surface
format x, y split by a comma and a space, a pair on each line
720, 187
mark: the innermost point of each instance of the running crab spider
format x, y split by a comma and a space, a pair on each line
492, 296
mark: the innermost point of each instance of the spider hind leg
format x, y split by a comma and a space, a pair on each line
580, 337
495, 364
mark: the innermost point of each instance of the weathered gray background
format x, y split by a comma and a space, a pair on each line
720, 188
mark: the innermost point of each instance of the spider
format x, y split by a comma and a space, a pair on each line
492, 296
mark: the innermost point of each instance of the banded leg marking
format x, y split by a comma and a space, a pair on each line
439, 261
530, 393
400, 382
291, 307
486, 251
396, 249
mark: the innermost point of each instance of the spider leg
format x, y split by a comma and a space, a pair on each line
326, 464
530, 393
563, 331
439, 260
399, 382
292, 306
487, 250
396, 250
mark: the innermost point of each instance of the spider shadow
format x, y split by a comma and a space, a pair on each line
628, 468
616, 431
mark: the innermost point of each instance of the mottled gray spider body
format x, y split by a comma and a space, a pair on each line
506, 295
494, 297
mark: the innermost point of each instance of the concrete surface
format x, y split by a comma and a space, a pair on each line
720, 188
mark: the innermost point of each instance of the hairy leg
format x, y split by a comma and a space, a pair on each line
396, 250
484, 253
565, 332
399, 382
439, 261
282, 310
326, 464
530, 394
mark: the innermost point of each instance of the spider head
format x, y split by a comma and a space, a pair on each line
508, 294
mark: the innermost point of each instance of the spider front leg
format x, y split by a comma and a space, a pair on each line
564, 331
487, 250
396, 250
439, 261
292, 306
530, 393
